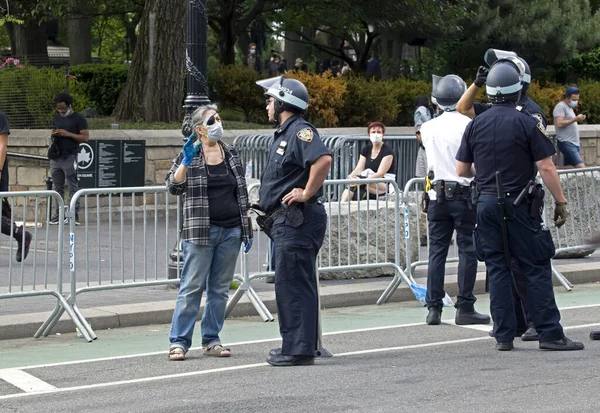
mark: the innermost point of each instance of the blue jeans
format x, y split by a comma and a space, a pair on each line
207, 267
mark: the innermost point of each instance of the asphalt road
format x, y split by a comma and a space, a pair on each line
385, 360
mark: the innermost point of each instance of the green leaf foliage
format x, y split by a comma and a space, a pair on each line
101, 83
236, 89
367, 100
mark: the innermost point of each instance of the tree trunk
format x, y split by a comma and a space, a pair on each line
80, 35
168, 66
227, 42
30, 43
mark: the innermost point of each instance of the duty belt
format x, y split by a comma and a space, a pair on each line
460, 189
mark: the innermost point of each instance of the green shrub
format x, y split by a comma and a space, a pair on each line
589, 97
407, 91
101, 83
235, 88
27, 95
326, 97
546, 97
367, 101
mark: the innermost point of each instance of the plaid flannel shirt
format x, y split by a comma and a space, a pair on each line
194, 190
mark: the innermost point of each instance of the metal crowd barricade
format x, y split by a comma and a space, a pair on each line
33, 276
411, 199
357, 238
405, 148
255, 148
147, 262
581, 188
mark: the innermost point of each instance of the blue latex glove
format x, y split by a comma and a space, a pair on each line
248, 245
189, 150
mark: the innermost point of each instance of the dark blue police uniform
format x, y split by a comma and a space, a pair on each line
524, 320
296, 147
509, 141
528, 105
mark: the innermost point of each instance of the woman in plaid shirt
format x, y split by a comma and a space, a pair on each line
208, 174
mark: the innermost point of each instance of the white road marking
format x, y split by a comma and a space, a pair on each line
478, 327
245, 366
240, 343
25, 381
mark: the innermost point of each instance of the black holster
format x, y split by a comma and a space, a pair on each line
536, 201
440, 192
474, 194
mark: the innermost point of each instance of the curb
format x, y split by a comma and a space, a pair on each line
359, 293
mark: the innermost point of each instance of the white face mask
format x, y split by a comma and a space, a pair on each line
376, 137
215, 131
67, 113
573, 103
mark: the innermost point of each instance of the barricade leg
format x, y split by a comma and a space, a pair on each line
61, 307
391, 288
562, 279
86, 325
246, 288
260, 307
321, 351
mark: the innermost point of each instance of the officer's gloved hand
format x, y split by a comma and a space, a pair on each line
560, 214
481, 76
248, 245
189, 150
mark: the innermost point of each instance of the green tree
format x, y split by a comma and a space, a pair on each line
544, 32
230, 19
154, 88
359, 24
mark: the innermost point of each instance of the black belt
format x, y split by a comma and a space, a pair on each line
506, 194
460, 189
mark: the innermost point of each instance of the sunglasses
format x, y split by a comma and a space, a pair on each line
212, 119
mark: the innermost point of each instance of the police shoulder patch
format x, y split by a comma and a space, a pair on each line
538, 116
305, 135
542, 129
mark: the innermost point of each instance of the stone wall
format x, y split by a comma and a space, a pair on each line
163, 145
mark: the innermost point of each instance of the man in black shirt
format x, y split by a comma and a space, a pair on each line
69, 129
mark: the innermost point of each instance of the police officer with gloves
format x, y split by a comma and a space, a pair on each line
505, 145
467, 106
450, 207
291, 185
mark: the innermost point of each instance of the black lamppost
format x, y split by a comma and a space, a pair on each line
197, 86
195, 61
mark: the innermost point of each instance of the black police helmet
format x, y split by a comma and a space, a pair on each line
290, 92
448, 91
504, 82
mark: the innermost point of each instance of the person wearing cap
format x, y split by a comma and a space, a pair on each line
503, 148
450, 207
291, 185
567, 130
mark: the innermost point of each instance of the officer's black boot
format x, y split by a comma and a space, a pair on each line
564, 344
434, 317
530, 335
466, 315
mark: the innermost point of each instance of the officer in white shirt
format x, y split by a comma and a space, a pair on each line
450, 207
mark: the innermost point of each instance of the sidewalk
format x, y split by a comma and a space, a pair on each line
154, 305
